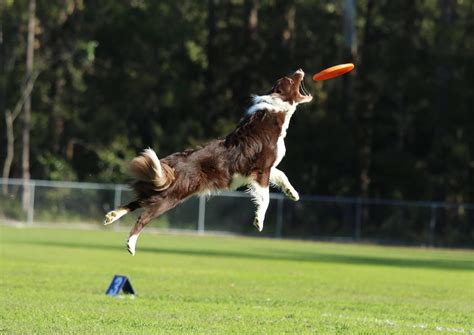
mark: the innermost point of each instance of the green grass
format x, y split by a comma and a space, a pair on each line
54, 281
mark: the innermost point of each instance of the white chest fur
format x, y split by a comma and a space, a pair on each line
273, 104
281, 149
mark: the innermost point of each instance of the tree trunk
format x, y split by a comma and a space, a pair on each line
2, 68
248, 65
211, 53
10, 118
2, 99
251, 13
288, 33
350, 32
289, 30
364, 112
349, 55
10, 149
27, 106
211, 47
443, 77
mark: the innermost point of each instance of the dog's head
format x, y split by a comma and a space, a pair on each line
289, 89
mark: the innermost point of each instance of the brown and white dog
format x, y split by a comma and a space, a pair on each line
248, 156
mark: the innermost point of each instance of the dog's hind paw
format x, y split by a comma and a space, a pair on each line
258, 224
110, 217
114, 215
131, 244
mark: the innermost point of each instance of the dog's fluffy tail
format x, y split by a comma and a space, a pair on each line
148, 169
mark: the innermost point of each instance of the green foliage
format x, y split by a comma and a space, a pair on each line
116, 77
10, 209
54, 281
113, 160
56, 168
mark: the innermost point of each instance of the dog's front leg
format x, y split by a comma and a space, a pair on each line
261, 198
280, 180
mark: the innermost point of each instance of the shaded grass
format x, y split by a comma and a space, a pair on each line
288, 255
53, 281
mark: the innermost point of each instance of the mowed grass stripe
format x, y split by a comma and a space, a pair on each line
54, 281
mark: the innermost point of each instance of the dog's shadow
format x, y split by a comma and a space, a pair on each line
279, 255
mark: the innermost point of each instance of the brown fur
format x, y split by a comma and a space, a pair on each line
249, 151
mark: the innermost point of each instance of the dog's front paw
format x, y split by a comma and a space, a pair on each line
292, 194
258, 224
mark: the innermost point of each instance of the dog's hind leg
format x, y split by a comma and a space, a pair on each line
116, 214
259, 189
149, 214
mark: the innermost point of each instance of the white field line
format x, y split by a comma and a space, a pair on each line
398, 324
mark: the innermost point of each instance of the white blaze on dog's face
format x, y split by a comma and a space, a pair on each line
289, 89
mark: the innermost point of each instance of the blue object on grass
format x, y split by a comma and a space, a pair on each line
120, 283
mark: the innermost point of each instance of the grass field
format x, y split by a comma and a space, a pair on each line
54, 281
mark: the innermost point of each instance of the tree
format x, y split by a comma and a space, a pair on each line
119, 76
27, 106
10, 117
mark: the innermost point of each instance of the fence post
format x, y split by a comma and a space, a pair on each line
117, 196
117, 201
201, 214
432, 225
279, 221
358, 219
31, 204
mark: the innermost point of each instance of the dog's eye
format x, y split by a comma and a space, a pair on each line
278, 91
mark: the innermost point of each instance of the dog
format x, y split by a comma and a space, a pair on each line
248, 156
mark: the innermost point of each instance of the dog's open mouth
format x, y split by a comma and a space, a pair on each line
302, 94
291, 88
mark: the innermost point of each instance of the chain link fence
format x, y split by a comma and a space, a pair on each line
313, 217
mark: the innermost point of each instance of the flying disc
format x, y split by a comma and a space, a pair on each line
333, 71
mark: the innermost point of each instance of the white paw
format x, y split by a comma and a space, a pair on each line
258, 224
114, 215
110, 217
292, 194
131, 244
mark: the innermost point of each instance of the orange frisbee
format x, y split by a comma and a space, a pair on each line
333, 71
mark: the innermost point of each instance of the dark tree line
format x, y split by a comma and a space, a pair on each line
112, 77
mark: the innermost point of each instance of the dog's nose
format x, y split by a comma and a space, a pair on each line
300, 71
